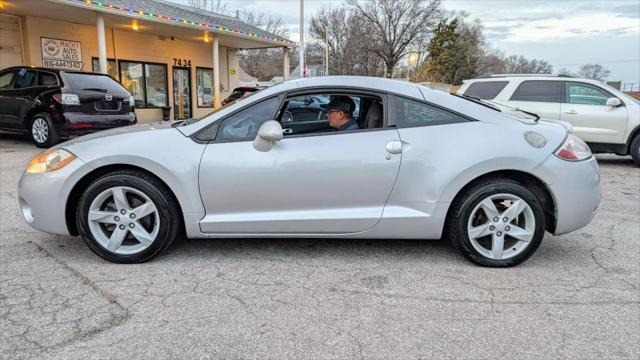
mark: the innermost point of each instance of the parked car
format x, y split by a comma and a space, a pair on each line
241, 92
50, 104
606, 118
423, 164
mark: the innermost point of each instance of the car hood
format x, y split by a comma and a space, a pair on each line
119, 131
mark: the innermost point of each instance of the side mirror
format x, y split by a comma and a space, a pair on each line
268, 134
614, 102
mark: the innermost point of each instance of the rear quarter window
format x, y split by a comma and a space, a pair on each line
538, 91
485, 90
411, 113
93, 82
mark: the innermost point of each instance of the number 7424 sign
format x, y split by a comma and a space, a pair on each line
182, 62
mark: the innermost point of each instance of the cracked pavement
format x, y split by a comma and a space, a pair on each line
577, 297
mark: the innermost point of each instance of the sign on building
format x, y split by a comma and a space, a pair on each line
61, 54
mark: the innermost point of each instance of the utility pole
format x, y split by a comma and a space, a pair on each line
301, 39
326, 52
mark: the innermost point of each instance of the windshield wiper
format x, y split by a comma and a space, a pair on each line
96, 89
478, 101
492, 104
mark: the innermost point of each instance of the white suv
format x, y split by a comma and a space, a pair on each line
607, 119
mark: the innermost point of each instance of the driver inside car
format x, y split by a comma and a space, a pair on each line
339, 113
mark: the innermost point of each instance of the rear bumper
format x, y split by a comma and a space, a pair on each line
80, 124
576, 189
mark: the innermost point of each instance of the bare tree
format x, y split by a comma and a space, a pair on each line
397, 23
209, 5
520, 65
263, 64
346, 35
593, 71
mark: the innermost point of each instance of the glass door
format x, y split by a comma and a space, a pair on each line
181, 93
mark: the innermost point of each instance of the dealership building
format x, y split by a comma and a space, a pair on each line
167, 55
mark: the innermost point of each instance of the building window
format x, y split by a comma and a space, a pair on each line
112, 67
146, 82
204, 87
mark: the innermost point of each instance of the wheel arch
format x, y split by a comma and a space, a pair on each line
531, 182
84, 182
635, 132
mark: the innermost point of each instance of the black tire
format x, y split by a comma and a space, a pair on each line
52, 137
634, 151
462, 209
168, 212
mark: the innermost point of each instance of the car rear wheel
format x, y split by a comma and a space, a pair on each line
128, 217
43, 133
635, 149
496, 223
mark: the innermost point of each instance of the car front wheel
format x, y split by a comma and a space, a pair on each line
42, 131
128, 217
496, 223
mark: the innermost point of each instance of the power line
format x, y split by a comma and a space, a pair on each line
599, 62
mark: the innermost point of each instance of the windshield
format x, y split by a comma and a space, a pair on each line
230, 103
94, 82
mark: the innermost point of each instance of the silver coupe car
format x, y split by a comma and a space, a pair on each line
420, 164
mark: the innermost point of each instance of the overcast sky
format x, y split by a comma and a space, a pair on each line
564, 33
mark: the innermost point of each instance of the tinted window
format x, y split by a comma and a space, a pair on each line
5, 80
47, 79
244, 124
541, 91
93, 81
26, 78
485, 90
581, 93
409, 113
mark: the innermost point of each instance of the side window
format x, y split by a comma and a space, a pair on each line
26, 78
485, 90
410, 113
244, 124
5, 80
581, 93
47, 79
538, 90
312, 113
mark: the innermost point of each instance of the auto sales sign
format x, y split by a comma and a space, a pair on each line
61, 54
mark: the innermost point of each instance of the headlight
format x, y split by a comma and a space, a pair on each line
50, 160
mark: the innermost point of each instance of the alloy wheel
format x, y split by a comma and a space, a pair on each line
40, 130
501, 226
123, 220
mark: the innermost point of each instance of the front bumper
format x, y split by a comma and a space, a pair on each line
576, 191
43, 197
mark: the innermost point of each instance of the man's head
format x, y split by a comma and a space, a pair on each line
339, 110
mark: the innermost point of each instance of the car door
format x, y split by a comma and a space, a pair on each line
20, 99
585, 107
6, 82
334, 182
541, 97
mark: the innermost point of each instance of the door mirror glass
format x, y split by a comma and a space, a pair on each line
614, 102
268, 134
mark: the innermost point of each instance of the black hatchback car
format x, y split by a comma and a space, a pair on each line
50, 104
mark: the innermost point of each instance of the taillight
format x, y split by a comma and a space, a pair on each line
573, 149
67, 99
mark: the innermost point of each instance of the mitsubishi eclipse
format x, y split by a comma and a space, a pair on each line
413, 163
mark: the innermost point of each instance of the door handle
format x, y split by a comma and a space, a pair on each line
571, 112
394, 147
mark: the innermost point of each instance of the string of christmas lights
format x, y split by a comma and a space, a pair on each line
210, 27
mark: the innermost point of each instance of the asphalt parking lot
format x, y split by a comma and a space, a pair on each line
577, 297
